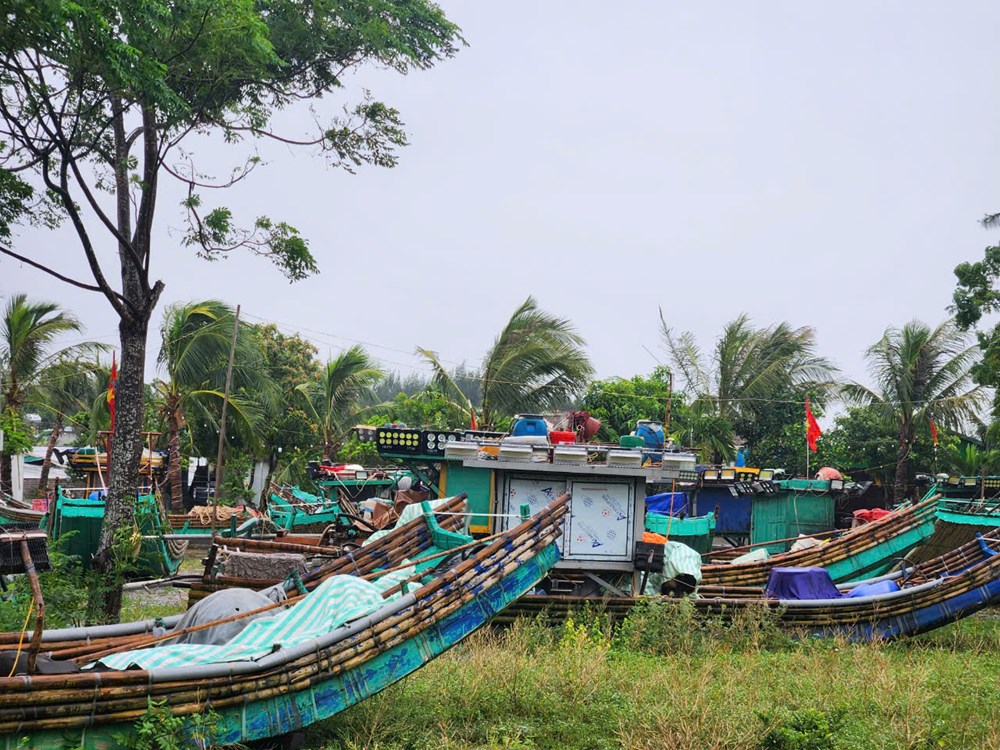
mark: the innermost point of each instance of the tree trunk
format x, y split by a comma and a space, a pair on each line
902, 464
43, 479
6, 482
174, 478
115, 547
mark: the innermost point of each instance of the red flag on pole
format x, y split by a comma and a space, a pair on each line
111, 390
472, 420
813, 432
934, 435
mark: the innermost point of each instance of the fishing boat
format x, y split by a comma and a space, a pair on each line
913, 600
367, 621
79, 519
868, 550
259, 563
968, 506
18, 514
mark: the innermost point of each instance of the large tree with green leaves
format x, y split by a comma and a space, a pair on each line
28, 334
920, 374
977, 295
537, 362
290, 361
101, 101
194, 352
749, 373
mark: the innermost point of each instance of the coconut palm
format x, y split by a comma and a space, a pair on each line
921, 374
194, 352
28, 331
748, 370
66, 388
332, 401
537, 362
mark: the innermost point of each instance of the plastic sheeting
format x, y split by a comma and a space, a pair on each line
217, 606
873, 589
678, 560
801, 583
668, 503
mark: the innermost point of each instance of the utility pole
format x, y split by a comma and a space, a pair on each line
222, 421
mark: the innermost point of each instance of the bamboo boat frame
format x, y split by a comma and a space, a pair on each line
210, 583
858, 552
934, 593
292, 687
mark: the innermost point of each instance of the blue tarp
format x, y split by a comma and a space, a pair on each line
801, 583
734, 512
873, 589
668, 503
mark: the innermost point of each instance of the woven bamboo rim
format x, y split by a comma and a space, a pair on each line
860, 540
74, 701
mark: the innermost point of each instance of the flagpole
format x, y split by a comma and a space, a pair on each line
807, 438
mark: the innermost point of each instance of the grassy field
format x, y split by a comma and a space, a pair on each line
673, 684
666, 680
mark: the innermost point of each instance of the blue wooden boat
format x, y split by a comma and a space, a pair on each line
913, 600
283, 689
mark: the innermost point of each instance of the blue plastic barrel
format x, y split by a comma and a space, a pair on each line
651, 433
529, 425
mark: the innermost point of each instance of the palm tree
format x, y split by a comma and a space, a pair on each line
27, 332
194, 351
537, 362
921, 374
346, 381
747, 371
67, 387
971, 460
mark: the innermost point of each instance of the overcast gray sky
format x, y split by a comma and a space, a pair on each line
821, 164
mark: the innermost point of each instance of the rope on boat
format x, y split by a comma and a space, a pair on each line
20, 643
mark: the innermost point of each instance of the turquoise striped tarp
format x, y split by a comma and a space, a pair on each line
334, 602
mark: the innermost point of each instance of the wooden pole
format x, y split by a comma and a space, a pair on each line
36, 594
670, 403
222, 421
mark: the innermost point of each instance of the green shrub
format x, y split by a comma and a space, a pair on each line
805, 729
63, 589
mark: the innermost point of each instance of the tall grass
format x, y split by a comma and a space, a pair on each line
669, 679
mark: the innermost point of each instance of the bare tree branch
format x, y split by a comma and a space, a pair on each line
56, 274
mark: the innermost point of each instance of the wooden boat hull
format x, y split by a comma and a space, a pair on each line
288, 688
271, 717
863, 553
14, 513
958, 584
